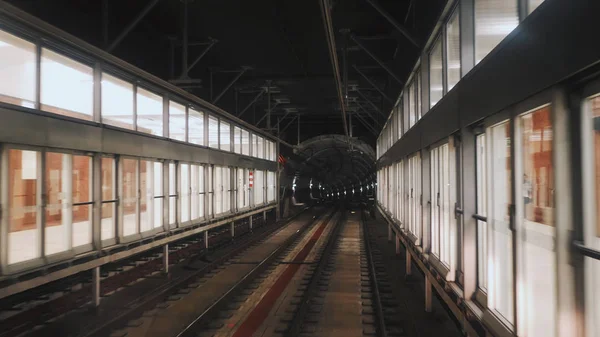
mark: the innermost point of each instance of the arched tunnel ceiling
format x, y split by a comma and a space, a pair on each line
336, 160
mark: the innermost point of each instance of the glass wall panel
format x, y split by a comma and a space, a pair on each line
453, 49
226, 189
58, 210
225, 136
254, 145
494, 19
538, 221
109, 206
201, 191
210, 191
245, 142
24, 227
195, 184
242, 187
159, 196
213, 132
67, 86
17, 63
418, 90
117, 102
482, 183
147, 196
218, 187
184, 193
195, 127
149, 112
271, 186
435, 201
500, 257
411, 109
259, 185
172, 194
82, 198
436, 74
237, 140
129, 196
260, 144
176, 121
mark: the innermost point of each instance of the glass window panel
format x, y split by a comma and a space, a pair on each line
18, 64
245, 142
58, 210
237, 140
213, 132
210, 187
254, 145
225, 136
201, 191
157, 187
533, 4
436, 74
226, 189
24, 230
67, 86
117, 102
500, 271
172, 194
184, 192
176, 121
411, 109
259, 186
453, 49
538, 223
196, 126
218, 188
82, 192
494, 19
261, 147
481, 210
108, 179
129, 198
194, 192
149, 112
147, 196
271, 186
418, 111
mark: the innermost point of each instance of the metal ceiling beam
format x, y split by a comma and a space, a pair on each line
228, 86
132, 25
328, 25
372, 84
290, 123
265, 115
374, 57
282, 118
394, 23
211, 43
256, 98
371, 103
366, 125
370, 115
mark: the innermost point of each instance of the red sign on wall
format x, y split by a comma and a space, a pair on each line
251, 179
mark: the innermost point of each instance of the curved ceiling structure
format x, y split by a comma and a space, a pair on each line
336, 161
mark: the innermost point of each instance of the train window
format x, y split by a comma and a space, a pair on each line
149, 112
259, 185
537, 219
482, 227
117, 102
226, 189
17, 63
201, 191
147, 195
453, 50
57, 209
242, 188
225, 136
67, 86
271, 186
158, 194
500, 253
494, 19
24, 233
418, 90
81, 185
184, 193
414, 195
218, 185
129, 196
196, 127
237, 140
194, 185
210, 190
176, 121
261, 147
254, 145
109, 205
172, 195
213, 132
436, 73
591, 142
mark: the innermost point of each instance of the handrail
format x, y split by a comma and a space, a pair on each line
586, 251
480, 217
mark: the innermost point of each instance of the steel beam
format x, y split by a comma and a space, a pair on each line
265, 115
369, 127
374, 57
376, 122
394, 23
282, 118
254, 100
290, 123
372, 84
228, 86
371, 103
210, 45
132, 25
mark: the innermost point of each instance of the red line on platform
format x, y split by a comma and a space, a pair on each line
262, 309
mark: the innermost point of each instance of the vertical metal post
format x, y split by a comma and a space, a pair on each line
184, 51
97, 208
408, 263
232, 230
268, 105
166, 258
298, 129
105, 22
390, 232
96, 286
206, 239
265, 216
250, 223
428, 294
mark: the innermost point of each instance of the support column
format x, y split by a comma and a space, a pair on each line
265, 216
205, 239
232, 230
408, 263
250, 223
96, 286
397, 244
428, 294
166, 258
